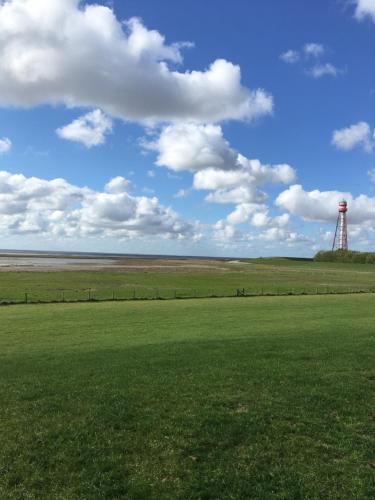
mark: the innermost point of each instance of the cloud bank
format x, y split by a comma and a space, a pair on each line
56, 208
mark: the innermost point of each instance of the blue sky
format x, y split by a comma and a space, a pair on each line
180, 137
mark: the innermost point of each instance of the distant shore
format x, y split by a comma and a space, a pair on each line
102, 255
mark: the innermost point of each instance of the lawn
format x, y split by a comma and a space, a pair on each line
265, 397
256, 276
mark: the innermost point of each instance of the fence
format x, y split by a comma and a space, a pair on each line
95, 295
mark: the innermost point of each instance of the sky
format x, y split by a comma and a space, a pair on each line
190, 128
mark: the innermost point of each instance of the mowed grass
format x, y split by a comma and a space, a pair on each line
256, 276
269, 398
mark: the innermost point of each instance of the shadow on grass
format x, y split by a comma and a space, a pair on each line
228, 418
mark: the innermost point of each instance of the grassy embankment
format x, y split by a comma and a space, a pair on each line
256, 276
268, 398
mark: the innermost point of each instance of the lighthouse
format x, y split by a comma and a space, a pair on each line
340, 241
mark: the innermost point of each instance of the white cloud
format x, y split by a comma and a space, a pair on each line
359, 135
191, 146
182, 193
89, 129
313, 49
281, 235
225, 233
365, 8
273, 230
230, 177
75, 54
242, 213
57, 208
118, 185
236, 195
323, 205
290, 56
240, 185
260, 219
324, 69
5, 145
371, 174
203, 150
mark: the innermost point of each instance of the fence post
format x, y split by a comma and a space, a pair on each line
26, 298
63, 296
113, 295
89, 296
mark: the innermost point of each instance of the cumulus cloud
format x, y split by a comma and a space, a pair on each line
358, 135
242, 213
322, 206
236, 195
230, 177
118, 185
371, 174
325, 69
56, 208
241, 185
182, 193
310, 51
365, 8
290, 56
65, 52
5, 145
281, 235
90, 129
273, 230
313, 49
191, 146
260, 219
203, 150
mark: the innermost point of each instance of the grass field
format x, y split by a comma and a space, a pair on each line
215, 278
264, 398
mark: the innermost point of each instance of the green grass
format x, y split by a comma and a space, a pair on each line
261, 398
269, 275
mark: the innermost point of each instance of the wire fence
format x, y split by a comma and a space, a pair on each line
128, 294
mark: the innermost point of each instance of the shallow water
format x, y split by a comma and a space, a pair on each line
52, 262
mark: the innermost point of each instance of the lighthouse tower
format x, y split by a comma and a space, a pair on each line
340, 241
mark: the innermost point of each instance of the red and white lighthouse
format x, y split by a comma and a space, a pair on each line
340, 241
